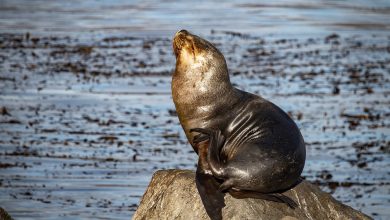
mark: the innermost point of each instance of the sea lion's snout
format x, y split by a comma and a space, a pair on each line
185, 32
192, 52
181, 40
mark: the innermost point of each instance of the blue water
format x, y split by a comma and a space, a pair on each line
162, 18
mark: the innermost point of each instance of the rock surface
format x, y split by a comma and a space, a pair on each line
172, 194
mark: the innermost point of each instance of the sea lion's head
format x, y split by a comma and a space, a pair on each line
195, 55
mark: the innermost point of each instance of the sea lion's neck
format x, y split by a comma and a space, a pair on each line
199, 97
200, 88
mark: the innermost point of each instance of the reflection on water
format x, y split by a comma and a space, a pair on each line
86, 114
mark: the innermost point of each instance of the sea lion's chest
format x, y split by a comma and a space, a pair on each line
200, 116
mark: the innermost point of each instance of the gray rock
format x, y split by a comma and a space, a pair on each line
172, 194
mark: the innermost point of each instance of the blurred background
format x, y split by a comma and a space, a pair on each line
86, 114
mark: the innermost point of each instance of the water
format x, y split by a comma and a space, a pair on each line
87, 116
162, 18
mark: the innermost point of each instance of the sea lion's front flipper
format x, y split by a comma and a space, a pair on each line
213, 200
216, 142
275, 197
200, 138
207, 185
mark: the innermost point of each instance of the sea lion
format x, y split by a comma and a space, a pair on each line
248, 144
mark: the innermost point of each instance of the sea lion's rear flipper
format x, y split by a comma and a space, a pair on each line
275, 197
